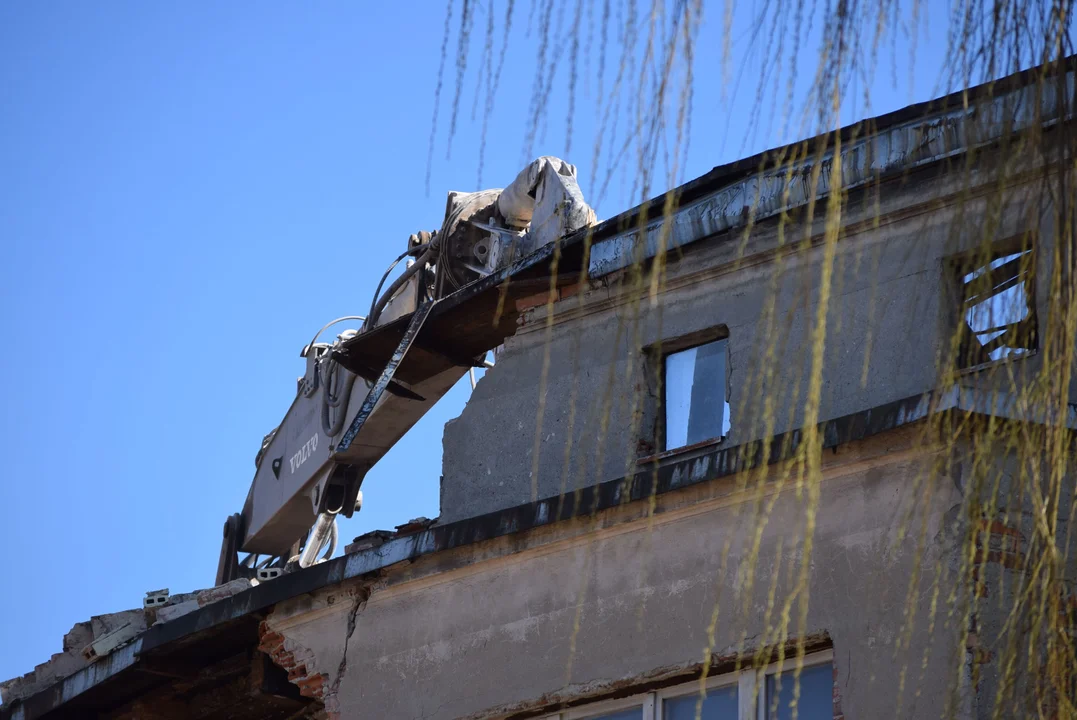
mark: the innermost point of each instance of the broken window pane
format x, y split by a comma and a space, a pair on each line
998, 305
720, 704
816, 701
696, 406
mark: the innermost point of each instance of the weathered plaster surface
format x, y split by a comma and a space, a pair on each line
578, 608
1006, 625
891, 313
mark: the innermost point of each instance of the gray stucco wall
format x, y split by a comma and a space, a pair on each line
891, 313
1008, 615
485, 631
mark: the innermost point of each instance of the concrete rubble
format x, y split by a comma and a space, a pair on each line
95, 638
99, 636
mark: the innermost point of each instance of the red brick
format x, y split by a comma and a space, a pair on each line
274, 645
533, 301
569, 290
999, 543
838, 714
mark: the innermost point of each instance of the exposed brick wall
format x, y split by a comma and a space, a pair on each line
1000, 543
542, 298
296, 660
838, 714
997, 544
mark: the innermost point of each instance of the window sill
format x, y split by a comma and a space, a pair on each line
683, 450
993, 364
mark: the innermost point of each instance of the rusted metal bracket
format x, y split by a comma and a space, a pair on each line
383, 382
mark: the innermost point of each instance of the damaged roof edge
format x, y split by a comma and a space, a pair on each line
763, 186
702, 465
612, 241
74, 685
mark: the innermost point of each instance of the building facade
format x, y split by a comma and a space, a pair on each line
743, 459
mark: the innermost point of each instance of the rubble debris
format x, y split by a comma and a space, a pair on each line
102, 647
414, 525
102, 625
78, 652
193, 601
367, 541
93, 639
376, 538
175, 610
266, 573
155, 598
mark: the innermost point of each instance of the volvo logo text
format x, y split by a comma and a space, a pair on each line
303, 453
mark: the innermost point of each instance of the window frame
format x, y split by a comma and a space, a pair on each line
968, 262
597, 710
742, 679
788, 667
745, 680
658, 353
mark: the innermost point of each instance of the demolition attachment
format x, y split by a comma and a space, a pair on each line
356, 399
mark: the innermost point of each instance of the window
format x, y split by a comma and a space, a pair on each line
998, 308
721, 702
731, 696
816, 694
696, 406
639, 707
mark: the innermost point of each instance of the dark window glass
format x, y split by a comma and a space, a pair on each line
720, 704
816, 700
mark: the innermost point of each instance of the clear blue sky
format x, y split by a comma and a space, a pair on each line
187, 192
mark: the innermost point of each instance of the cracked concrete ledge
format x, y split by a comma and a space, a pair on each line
315, 677
71, 659
75, 672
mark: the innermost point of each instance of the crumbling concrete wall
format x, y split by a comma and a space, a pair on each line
1004, 596
892, 312
71, 659
78, 654
586, 607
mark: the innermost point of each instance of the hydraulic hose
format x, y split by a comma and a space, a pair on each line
325, 327
377, 292
333, 425
332, 402
419, 264
334, 533
325, 526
